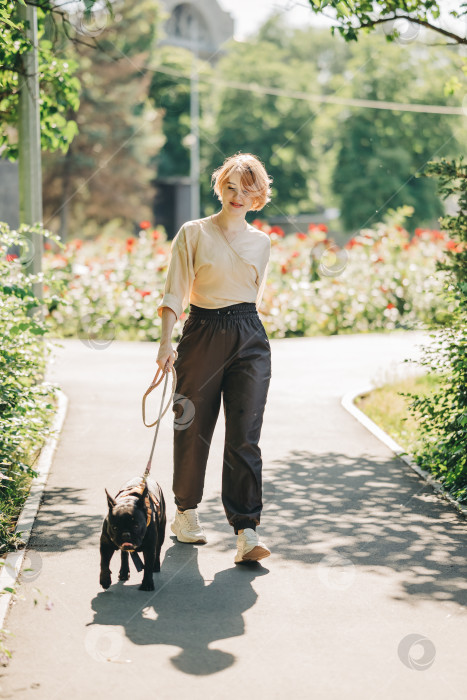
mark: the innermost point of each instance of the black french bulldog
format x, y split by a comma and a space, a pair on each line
135, 522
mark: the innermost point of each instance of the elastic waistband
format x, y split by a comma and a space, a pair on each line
245, 308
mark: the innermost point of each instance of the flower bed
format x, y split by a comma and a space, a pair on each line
381, 279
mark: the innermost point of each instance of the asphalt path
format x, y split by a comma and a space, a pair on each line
364, 594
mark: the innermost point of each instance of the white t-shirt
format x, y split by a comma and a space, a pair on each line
208, 271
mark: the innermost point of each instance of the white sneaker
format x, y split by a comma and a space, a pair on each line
249, 547
187, 527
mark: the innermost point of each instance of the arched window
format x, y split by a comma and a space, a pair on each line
188, 24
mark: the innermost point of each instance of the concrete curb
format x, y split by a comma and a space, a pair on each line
347, 402
13, 561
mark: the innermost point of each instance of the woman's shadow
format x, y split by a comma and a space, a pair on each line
182, 611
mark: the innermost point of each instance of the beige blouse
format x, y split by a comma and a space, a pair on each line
208, 271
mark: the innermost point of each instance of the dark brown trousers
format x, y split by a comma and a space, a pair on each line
222, 352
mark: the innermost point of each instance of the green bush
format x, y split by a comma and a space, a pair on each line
27, 403
444, 414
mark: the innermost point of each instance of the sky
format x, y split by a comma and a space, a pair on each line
250, 14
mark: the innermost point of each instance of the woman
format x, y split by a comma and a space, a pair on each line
219, 264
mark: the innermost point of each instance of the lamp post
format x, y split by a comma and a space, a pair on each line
29, 144
194, 124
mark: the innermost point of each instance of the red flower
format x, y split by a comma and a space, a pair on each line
257, 223
145, 224
47, 246
450, 244
277, 230
319, 227
143, 292
182, 315
283, 269
301, 236
295, 253
406, 246
390, 306
155, 235
130, 242
77, 243
11, 256
352, 242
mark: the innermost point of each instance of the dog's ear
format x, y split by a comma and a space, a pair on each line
111, 501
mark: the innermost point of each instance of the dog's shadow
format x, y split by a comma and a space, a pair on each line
183, 610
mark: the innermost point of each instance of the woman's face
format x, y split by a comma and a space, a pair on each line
234, 199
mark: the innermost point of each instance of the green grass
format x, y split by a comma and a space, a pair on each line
390, 411
13, 494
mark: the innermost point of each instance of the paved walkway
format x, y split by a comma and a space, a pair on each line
364, 554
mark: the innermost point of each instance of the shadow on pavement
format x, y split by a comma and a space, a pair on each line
63, 521
382, 514
182, 611
373, 513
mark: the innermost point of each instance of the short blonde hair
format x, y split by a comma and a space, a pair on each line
253, 178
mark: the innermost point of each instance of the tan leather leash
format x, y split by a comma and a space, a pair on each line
155, 382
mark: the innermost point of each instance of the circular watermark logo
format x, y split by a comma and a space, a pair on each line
32, 566
416, 652
336, 572
332, 261
464, 105
21, 253
184, 410
89, 22
403, 30
103, 643
96, 332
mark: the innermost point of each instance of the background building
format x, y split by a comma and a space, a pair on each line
205, 18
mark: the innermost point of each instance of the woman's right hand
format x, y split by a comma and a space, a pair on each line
166, 357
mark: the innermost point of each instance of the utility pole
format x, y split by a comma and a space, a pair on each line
29, 142
194, 124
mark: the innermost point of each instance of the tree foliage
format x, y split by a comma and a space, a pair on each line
107, 172
382, 153
443, 414
59, 89
278, 129
354, 16
361, 160
170, 92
